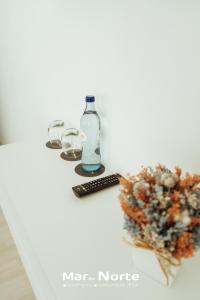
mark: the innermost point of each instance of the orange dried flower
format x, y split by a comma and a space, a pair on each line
144, 174
135, 214
178, 171
196, 179
127, 184
194, 221
176, 196
184, 247
186, 182
174, 211
141, 194
189, 181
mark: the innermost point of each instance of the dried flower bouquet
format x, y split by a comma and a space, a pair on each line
162, 213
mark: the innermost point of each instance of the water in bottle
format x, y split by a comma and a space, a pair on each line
90, 125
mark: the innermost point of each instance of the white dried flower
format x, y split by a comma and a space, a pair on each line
141, 185
184, 218
164, 200
169, 180
198, 186
160, 243
193, 201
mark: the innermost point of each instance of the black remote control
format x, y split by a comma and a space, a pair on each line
96, 185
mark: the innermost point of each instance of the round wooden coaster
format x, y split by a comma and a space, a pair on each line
81, 172
71, 155
54, 145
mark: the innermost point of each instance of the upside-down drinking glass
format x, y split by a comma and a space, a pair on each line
55, 130
71, 141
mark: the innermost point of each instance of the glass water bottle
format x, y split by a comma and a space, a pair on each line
90, 125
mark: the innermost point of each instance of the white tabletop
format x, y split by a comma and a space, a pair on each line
56, 232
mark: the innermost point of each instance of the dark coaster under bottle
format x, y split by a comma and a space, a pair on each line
71, 155
81, 172
54, 145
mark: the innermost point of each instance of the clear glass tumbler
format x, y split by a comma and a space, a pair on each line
71, 141
55, 130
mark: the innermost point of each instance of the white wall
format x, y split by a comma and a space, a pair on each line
140, 58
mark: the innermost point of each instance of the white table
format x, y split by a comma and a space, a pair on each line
56, 232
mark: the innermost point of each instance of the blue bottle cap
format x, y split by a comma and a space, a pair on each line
89, 98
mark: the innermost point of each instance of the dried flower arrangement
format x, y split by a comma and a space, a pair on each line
162, 213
